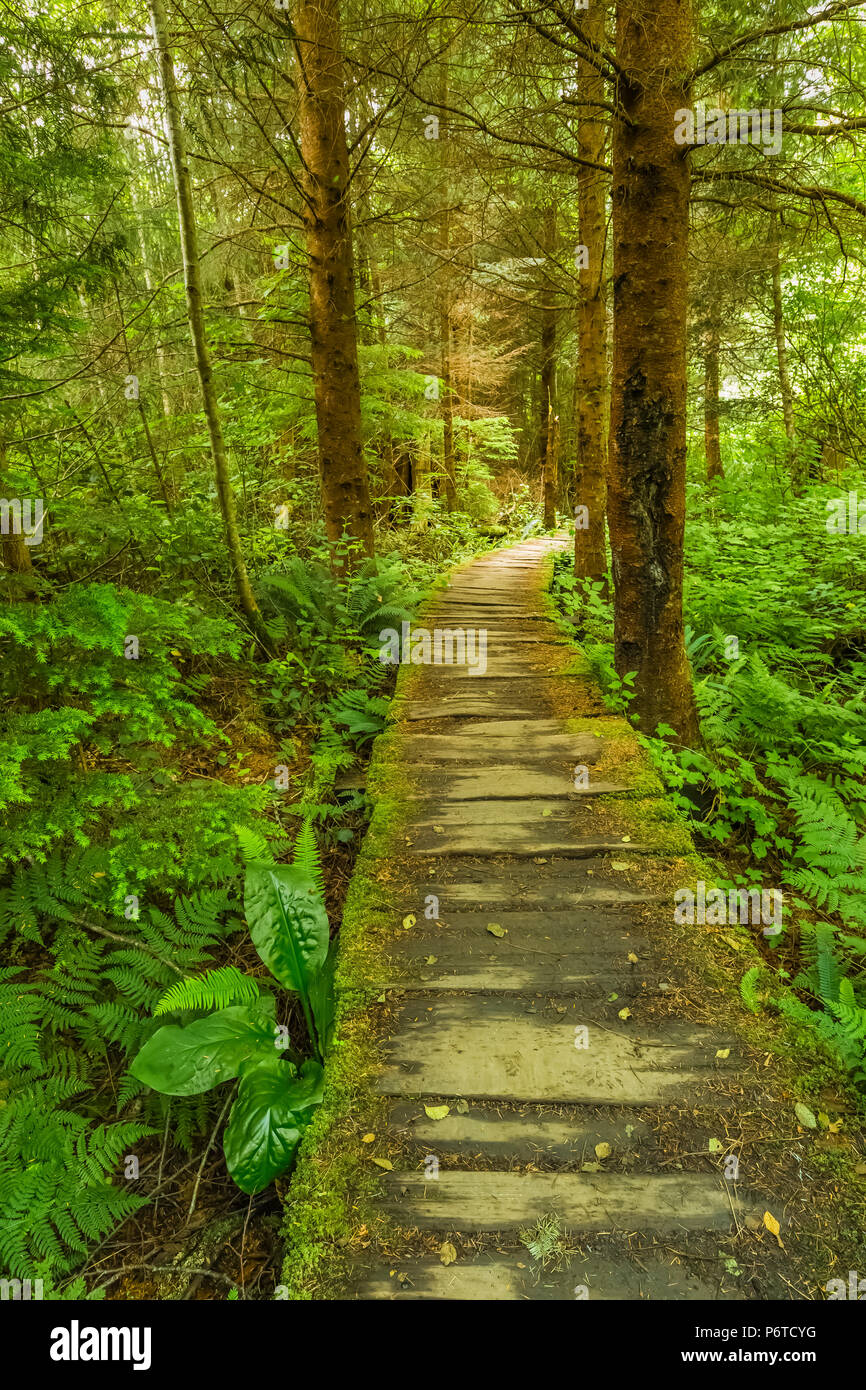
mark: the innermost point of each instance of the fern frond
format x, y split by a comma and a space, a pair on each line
254, 847
215, 989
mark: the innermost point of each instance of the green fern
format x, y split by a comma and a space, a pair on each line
306, 857
254, 847
749, 989
215, 989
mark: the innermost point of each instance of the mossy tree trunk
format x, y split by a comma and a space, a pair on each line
333, 324
646, 482
195, 316
547, 399
590, 491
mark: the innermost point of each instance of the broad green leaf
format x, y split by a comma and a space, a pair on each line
183, 1061
288, 923
272, 1109
322, 1000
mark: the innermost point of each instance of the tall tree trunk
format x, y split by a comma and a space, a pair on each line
333, 325
646, 481
547, 403
14, 551
711, 404
782, 353
590, 490
195, 315
446, 294
547, 411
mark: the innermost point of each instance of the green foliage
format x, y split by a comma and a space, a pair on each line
59, 1187
275, 1101
67, 1022
215, 989
749, 989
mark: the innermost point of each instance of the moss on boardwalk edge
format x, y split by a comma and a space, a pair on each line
329, 1210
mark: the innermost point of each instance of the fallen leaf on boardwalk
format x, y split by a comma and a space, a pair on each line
431, 960
547, 813
590, 1167
409, 921
462, 1107
632, 957
624, 1014
626, 839
384, 1163
715, 1146
805, 1116
439, 830
772, 1226
619, 865
447, 1253
539, 861
723, 1053
611, 997
367, 1138
495, 929
437, 1112
602, 1150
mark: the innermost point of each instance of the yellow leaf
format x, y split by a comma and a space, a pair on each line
384, 1163
772, 1226
437, 1112
624, 1014
367, 1138
602, 1151
723, 1053
409, 921
632, 957
495, 929
447, 1253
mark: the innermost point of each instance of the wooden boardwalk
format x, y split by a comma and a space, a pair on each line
518, 1091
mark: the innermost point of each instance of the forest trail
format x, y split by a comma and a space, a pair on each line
536, 933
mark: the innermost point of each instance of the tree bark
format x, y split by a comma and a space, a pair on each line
446, 294
547, 401
195, 316
548, 407
646, 481
782, 353
590, 490
333, 325
712, 444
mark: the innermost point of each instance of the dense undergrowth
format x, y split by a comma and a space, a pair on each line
141, 738
775, 611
